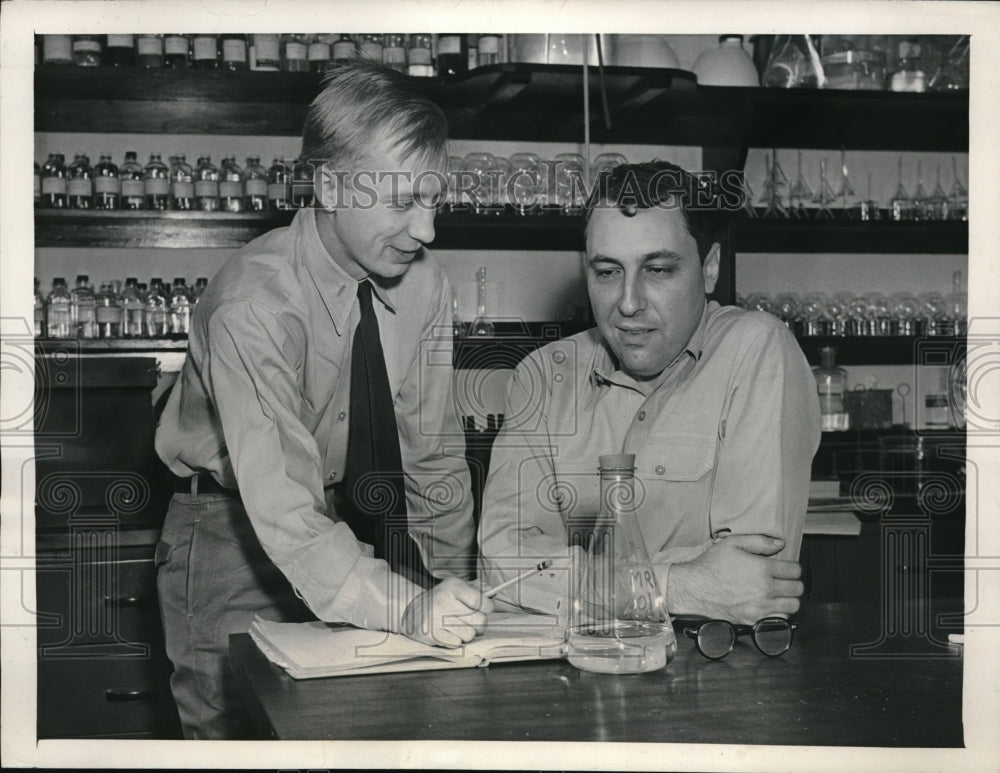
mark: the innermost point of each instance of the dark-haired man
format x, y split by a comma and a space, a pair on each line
717, 404
316, 450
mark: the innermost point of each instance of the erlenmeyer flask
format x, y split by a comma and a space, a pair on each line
938, 203
619, 622
824, 195
901, 204
481, 325
846, 192
920, 207
799, 194
777, 182
959, 196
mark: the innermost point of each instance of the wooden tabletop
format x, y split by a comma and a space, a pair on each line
903, 690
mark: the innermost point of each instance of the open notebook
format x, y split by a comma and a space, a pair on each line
309, 650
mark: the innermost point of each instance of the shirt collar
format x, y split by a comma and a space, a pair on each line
335, 286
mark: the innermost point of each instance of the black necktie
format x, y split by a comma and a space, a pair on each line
373, 482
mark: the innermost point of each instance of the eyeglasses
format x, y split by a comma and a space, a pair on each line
716, 638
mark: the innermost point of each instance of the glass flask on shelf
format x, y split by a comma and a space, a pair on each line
786, 308
57, 50
958, 196
800, 193
958, 303
180, 309
792, 63
452, 55
909, 73
205, 48
231, 185
838, 313
880, 309
149, 51
39, 311
345, 48
370, 47
906, 309
824, 195
457, 197
938, 203
831, 383
82, 305
525, 191
901, 205
420, 58
481, 326
319, 51
177, 51
234, 52
920, 206
156, 183
845, 191
53, 180
133, 310
107, 186
80, 183
618, 618
206, 186
775, 183
265, 52
279, 185
486, 175
87, 50
488, 49
295, 53
570, 183
726, 65
867, 209
133, 190
255, 184
157, 316
108, 312
182, 183
119, 51
199, 287
394, 52
303, 184
58, 316
953, 72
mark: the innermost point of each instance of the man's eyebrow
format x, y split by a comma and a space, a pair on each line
655, 255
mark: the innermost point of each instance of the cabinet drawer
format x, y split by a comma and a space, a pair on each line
94, 602
86, 691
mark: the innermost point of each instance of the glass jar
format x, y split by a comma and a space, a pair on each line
53, 182
87, 50
80, 183
57, 50
119, 51
394, 52
319, 52
831, 384
727, 65
295, 52
344, 48
265, 52
149, 51
205, 48
255, 184
156, 183
234, 52
279, 185
206, 185
370, 47
420, 62
231, 186
452, 55
182, 184
177, 51
488, 49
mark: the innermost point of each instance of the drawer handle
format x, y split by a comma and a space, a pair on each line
120, 696
126, 601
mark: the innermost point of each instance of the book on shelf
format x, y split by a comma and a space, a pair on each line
317, 649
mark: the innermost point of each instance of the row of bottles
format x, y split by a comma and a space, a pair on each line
116, 311
418, 54
174, 185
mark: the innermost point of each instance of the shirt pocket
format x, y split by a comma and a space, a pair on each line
688, 459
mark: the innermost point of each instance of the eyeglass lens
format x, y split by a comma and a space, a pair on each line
773, 637
716, 639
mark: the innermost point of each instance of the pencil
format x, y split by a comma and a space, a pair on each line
514, 580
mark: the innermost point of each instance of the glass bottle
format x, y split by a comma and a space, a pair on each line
133, 187
157, 317
107, 186
909, 72
206, 52
619, 622
344, 48
108, 312
831, 383
370, 47
149, 51
39, 311
726, 65
82, 307
279, 185
481, 325
58, 317
230, 185
472, 51
958, 197
156, 183
57, 49
133, 310
182, 184
303, 176
901, 205
199, 287
180, 309
265, 52
87, 50
206, 185
452, 55
234, 52
489, 49
54, 182
394, 52
120, 51
319, 52
294, 52
177, 51
255, 181
80, 183
420, 58
37, 190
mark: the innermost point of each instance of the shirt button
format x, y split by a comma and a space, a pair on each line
342, 415
332, 475
660, 469
642, 415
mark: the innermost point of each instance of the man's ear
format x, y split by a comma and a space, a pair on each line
710, 268
330, 190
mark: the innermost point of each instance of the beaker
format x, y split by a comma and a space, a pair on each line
619, 622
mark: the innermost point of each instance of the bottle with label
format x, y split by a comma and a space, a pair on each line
156, 183
54, 175
452, 55
37, 192
419, 57
80, 183
279, 185
319, 52
133, 310
157, 315
344, 48
206, 185
57, 50
265, 52
230, 185
831, 383
177, 51
39, 311
182, 184
133, 187
295, 52
81, 309
234, 52
303, 175
255, 184
107, 186
394, 52
58, 317
909, 73
149, 51
87, 50
472, 49
370, 47
489, 49
180, 309
108, 312
206, 52
618, 617
199, 287
120, 51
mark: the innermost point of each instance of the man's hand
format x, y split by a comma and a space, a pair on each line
736, 580
449, 614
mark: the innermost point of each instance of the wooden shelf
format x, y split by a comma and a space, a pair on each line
525, 102
884, 350
882, 236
